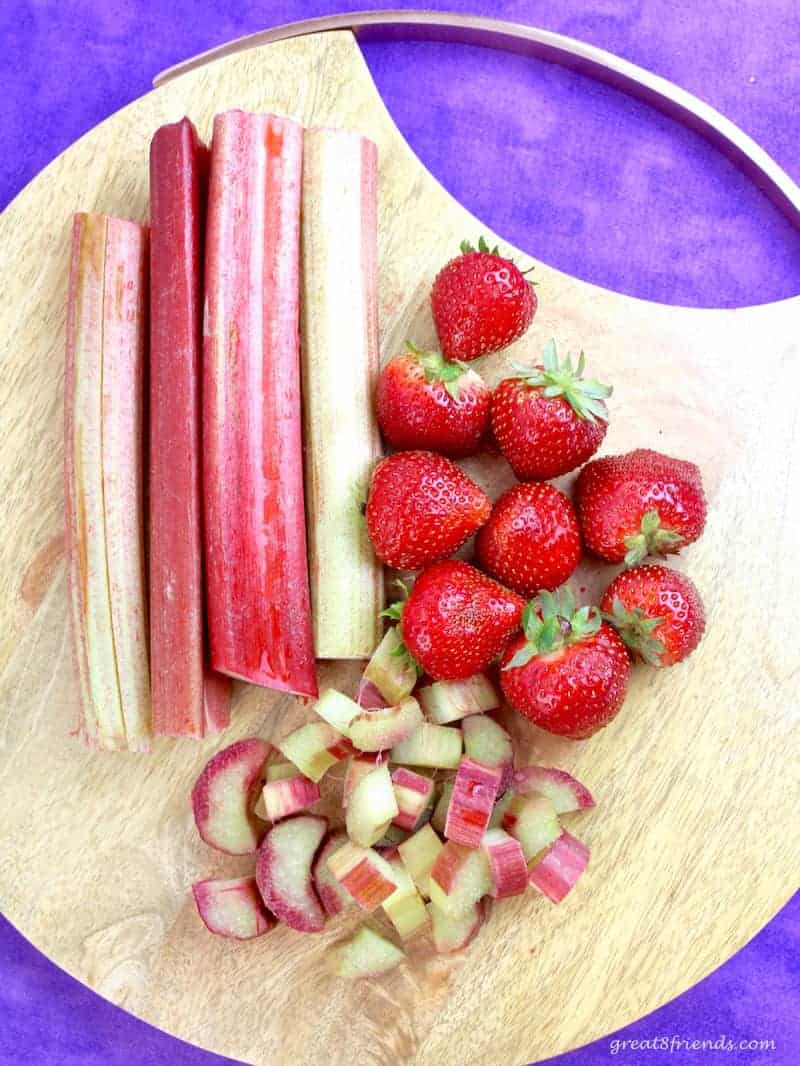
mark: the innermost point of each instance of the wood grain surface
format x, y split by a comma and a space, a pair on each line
694, 842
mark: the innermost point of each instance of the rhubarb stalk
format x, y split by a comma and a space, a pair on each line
340, 369
188, 698
257, 575
103, 478
124, 354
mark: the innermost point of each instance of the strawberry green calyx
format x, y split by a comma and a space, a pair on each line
651, 539
636, 629
466, 247
585, 397
551, 622
395, 612
437, 368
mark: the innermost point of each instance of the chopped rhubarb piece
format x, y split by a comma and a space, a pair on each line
487, 741
439, 819
391, 669
335, 898
370, 806
357, 768
533, 821
225, 794
385, 727
232, 909
314, 748
459, 878
419, 853
188, 698
365, 874
337, 710
405, 908
103, 472
500, 808
368, 696
257, 574
413, 793
561, 788
470, 808
437, 746
449, 701
278, 768
365, 954
289, 796
507, 864
283, 872
341, 364
558, 871
454, 932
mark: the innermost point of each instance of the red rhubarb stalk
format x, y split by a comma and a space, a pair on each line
257, 577
188, 698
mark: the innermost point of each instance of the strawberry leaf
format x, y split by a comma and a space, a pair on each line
637, 631
521, 657
585, 397
652, 539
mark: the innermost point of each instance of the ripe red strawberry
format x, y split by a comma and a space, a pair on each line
657, 612
425, 402
531, 540
568, 671
422, 508
456, 620
548, 419
481, 303
638, 504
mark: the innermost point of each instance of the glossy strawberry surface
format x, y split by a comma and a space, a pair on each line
531, 540
422, 508
658, 613
457, 620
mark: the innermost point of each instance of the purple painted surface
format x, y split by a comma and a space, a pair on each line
581, 176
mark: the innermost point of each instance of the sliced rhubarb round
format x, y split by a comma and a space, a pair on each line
284, 872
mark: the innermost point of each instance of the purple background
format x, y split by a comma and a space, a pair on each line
585, 178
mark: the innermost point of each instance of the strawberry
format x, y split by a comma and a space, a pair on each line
567, 672
456, 620
657, 612
531, 540
639, 504
425, 402
548, 419
481, 302
422, 508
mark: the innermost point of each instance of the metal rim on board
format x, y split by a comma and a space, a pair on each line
669, 98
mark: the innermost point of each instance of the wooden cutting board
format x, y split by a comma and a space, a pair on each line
694, 843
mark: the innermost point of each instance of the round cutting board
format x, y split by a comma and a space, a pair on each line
693, 843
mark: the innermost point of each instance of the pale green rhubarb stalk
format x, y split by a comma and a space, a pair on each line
189, 699
340, 369
258, 601
103, 399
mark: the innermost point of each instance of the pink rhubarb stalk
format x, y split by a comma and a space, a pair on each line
257, 576
188, 698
